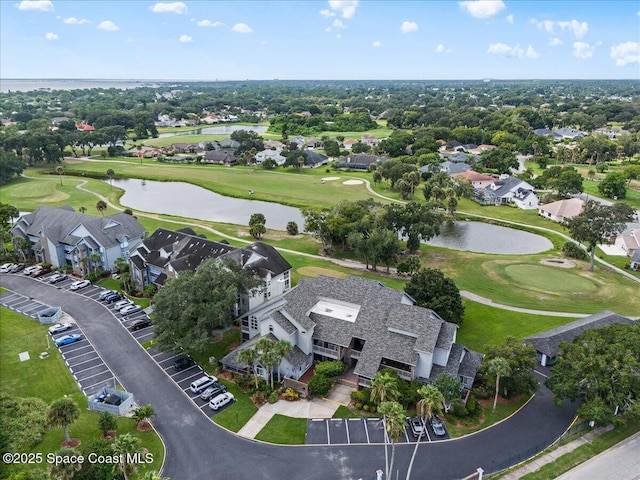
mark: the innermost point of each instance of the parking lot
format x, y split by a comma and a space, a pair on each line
349, 431
85, 363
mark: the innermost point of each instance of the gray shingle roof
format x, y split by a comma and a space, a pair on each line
548, 342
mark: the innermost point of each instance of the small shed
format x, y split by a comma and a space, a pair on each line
49, 315
117, 402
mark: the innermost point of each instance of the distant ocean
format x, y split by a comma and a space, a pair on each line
27, 85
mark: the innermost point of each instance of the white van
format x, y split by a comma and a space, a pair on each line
221, 400
202, 383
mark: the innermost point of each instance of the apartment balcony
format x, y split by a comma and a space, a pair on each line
327, 352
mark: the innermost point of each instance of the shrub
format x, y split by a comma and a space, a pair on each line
472, 404
573, 250
460, 411
290, 394
272, 397
319, 385
245, 382
106, 422
358, 406
365, 408
292, 228
259, 398
330, 368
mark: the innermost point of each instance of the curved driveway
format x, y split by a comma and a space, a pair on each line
197, 448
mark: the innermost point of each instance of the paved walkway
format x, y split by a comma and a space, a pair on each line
534, 465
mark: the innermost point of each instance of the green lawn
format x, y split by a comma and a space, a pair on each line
284, 430
50, 379
236, 415
488, 417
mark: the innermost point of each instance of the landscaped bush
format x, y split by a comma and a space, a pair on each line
292, 228
330, 368
573, 250
460, 411
358, 406
365, 408
245, 382
472, 404
259, 398
290, 394
273, 397
319, 385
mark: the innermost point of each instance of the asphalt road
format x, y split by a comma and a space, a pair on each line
199, 449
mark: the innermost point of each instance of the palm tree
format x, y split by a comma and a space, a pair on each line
265, 348
393, 417
110, 174
62, 413
125, 446
95, 258
499, 367
106, 422
282, 349
143, 414
64, 470
60, 172
101, 206
384, 387
249, 356
429, 403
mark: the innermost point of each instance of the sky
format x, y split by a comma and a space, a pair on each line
309, 39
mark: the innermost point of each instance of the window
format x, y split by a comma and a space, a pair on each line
254, 323
270, 328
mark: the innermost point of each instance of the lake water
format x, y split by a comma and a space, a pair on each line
218, 130
486, 238
29, 84
186, 200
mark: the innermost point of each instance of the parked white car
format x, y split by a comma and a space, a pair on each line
129, 309
60, 327
119, 305
79, 284
6, 267
221, 400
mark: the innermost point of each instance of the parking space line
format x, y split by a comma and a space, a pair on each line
91, 376
80, 363
75, 349
346, 428
101, 382
366, 430
328, 434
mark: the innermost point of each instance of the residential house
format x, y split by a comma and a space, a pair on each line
508, 190
459, 157
219, 157
85, 127
451, 168
228, 146
482, 148
144, 151
270, 154
477, 180
370, 140
547, 343
184, 148
61, 236
612, 133
451, 146
629, 239
635, 260
315, 159
166, 253
562, 210
299, 140
349, 143
568, 133
362, 323
359, 161
273, 144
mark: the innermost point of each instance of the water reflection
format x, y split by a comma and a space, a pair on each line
186, 200
486, 238
219, 130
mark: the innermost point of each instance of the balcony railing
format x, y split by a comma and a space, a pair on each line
403, 374
327, 352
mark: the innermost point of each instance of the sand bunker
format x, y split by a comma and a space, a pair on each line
329, 179
352, 182
558, 262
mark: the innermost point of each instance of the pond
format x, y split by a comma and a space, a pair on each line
486, 238
186, 200
219, 130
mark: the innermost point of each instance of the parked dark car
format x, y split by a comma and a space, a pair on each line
114, 297
182, 363
104, 294
213, 391
139, 324
42, 271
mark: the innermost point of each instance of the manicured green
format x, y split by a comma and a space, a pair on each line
219, 348
488, 417
583, 453
345, 412
284, 430
235, 415
545, 278
50, 379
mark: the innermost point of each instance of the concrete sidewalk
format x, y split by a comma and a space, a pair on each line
314, 408
552, 456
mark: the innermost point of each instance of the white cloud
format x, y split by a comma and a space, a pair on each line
169, 7
41, 5
346, 8
327, 13
108, 25
509, 19
578, 29
554, 42
209, 23
185, 39
241, 28
582, 50
483, 8
515, 51
626, 53
407, 27
377, 44
75, 21
531, 53
51, 36
440, 48
338, 24
338, 36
